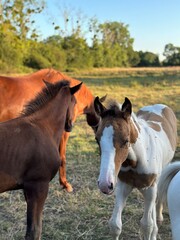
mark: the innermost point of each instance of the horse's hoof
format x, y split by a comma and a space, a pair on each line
69, 188
159, 222
66, 186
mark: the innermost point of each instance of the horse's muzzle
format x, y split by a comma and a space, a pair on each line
106, 188
68, 127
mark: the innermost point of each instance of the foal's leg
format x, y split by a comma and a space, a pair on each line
148, 222
159, 210
35, 194
115, 223
62, 170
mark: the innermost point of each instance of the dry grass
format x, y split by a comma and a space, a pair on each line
84, 214
124, 72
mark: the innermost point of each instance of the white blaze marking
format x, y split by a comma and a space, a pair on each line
107, 168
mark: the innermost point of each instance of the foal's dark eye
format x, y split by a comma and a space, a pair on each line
125, 143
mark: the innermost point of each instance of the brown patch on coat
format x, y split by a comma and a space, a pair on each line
155, 126
129, 163
168, 122
137, 180
133, 132
170, 126
149, 116
120, 158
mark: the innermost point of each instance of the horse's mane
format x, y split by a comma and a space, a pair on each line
51, 73
47, 93
113, 109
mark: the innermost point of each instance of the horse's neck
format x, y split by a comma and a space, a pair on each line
144, 150
85, 100
52, 117
84, 96
137, 151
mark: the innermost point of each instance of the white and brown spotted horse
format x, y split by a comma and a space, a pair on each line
134, 149
169, 192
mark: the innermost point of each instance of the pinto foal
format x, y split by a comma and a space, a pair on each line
134, 149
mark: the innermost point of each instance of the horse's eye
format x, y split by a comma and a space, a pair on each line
125, 144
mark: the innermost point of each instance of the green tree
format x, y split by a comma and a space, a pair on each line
172, 55
148, 59
16, 28
97, 54
16, 16
117, 43
77, 52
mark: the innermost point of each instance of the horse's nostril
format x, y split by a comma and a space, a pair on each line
111, 186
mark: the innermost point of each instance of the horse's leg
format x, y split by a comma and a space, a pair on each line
35, 194
159, 210
62, 170
115, 223
173, 200
148, 222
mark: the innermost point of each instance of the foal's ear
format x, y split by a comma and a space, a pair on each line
127, 108
99, 108
74, 89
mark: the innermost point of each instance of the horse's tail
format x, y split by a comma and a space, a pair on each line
166, 176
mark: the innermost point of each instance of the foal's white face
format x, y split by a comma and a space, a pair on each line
107, 170
113, 136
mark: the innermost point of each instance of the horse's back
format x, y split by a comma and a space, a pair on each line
16, 91
161, 118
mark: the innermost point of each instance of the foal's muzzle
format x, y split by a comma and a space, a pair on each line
106, 188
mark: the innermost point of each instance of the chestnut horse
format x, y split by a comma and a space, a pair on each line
29, 156
169, 191
134, 149
16, 91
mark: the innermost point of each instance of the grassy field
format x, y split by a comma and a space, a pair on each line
84, 214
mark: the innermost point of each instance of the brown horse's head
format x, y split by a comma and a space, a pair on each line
70, 109
92, 117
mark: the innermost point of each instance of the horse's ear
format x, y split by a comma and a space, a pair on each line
99, 108
127, 108
48, 84
102, 99
74, 89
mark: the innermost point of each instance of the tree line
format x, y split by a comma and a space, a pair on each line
108, 44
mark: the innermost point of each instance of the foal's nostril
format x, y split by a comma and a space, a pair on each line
111, 186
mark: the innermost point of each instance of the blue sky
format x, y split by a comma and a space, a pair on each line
152, 23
